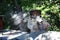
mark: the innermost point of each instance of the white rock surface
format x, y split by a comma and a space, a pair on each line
50, 35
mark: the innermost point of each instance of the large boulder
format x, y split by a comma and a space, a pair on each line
50, 35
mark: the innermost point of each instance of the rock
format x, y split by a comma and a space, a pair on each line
50, 35
39, 35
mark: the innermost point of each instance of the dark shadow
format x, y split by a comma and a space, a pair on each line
35, 34
54, 19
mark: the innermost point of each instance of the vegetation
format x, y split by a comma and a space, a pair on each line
50, 10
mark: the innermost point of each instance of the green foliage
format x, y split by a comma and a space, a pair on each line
54, 28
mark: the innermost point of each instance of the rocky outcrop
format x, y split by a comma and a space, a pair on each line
50, 35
